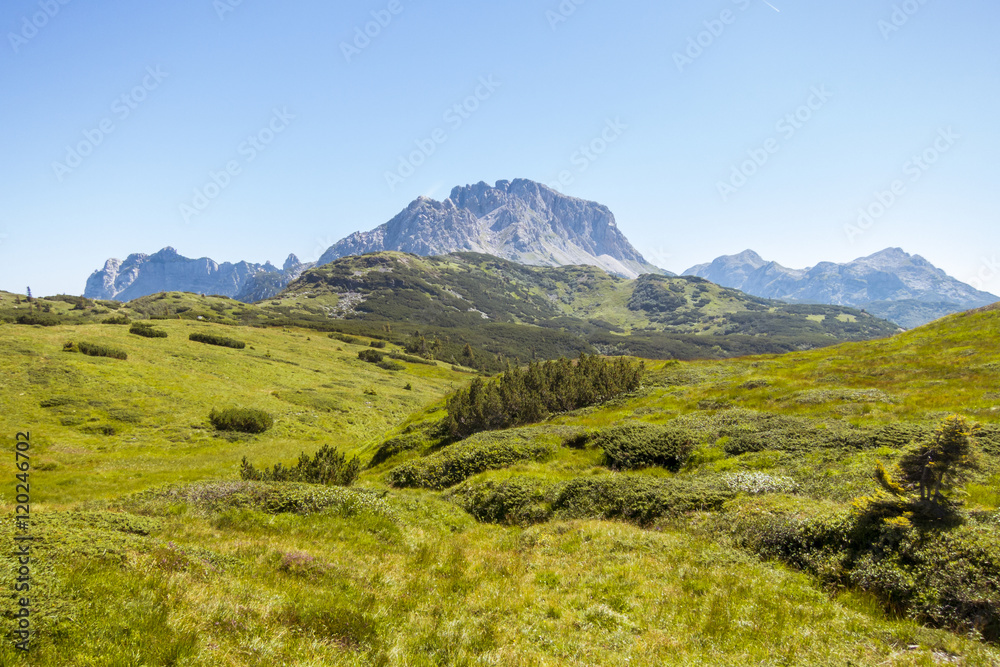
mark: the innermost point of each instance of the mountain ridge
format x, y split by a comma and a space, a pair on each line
891, 283
518, 220
166, 270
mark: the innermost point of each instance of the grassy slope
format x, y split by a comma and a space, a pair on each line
117, 426
403, 577
457, 289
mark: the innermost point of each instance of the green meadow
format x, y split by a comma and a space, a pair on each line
757, 541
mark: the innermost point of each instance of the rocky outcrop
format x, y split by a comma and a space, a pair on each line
167, 271
519, 220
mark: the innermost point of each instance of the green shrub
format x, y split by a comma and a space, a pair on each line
344, 338
401, 443
267, 497
371, 356
524, 396
212, 339
411, 359
515, 501
116, 319
147, 330
95, 350
327, 466
635, 498
40, 319
634, 445
242, 420
458, 462
945, 576
380, 344
389, 365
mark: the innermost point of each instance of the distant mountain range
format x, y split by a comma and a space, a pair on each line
167, 271
519, 220
584, 308
891, 284
531, 224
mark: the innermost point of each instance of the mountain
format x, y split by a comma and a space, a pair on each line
892, 284
518, 220
167, 271
512, 309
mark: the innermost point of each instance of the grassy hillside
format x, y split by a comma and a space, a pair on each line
101, 426
150, 550
467, 295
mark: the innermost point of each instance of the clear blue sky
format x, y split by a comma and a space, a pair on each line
323, 176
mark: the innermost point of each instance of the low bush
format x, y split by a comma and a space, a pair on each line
212, 339
411, 359
380, 344
95, 350
146, 330
634, 445
945, 576
371, 356
344, 338
270, 498
462, 460
634, 498
389, 365
407, 442
40, 319
516, 501
241, 420
117, 319
328, 466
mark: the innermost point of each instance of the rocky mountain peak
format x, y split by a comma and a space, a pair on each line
519, 220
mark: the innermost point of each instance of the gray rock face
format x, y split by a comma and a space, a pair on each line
519, 220
904, 288
167, 271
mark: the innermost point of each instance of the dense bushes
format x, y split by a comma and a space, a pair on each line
270, 498
221, 341
328, 466
95, 350
146, 330
402, 443
117, 319
633, 445
523, 396
634, 498
411, 359
460, 461
344, 338
948, 578
242, 420
371, 356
